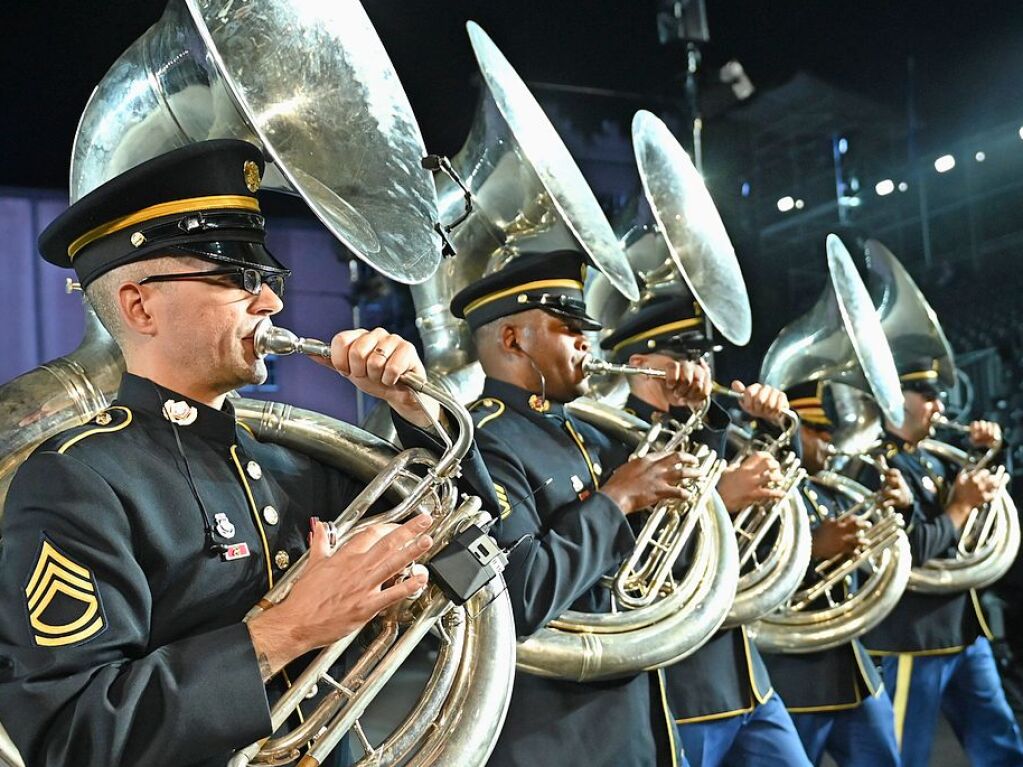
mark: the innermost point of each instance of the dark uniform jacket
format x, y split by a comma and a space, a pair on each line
926, 623
726, 676
121, 641
566, 535
830, 680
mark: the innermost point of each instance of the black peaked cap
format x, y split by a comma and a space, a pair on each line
199, 200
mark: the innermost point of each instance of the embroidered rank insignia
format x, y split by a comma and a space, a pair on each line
62, 600
502, 500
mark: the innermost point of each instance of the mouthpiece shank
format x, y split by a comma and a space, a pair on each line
594, 366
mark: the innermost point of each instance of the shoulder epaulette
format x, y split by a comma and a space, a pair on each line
485, 410
106, 421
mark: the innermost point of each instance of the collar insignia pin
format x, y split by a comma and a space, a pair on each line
179, 413
225, 529
577, 484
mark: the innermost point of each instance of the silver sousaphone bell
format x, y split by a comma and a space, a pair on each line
677, 244
310, 84
527, 194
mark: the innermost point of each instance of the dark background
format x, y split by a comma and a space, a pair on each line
968, 58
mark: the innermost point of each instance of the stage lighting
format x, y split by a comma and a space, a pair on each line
903, 186
786, 203
944, 163
980, 157
885, 187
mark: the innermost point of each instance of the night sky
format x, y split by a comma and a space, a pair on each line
968, 58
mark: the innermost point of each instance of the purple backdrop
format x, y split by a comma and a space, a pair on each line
45, 322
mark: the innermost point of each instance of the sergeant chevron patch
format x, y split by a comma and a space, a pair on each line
62, 600
502, 499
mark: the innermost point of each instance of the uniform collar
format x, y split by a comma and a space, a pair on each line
899, 442
144, 396
522, 400
641, 408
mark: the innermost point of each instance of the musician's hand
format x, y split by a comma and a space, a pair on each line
895, 492
374, 360
686, 383
642, 482
761, 401
985, 433
340, 591
837, 536
973, 489
756, 479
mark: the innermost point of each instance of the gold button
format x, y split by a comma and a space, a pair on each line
138, 239
254, 470
651, 344
270, 515
282, 559
103, 419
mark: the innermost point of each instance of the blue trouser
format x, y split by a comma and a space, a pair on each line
965, 687
854, 737
763, 737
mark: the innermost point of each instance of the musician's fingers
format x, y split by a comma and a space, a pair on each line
702, 383
404, 359
339, 346
360, 350
404, 588
768, 493
738, 386
399, 547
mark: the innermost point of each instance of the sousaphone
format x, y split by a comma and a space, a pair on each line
525, 193
680, 249
841, 344
992, 538
312, 86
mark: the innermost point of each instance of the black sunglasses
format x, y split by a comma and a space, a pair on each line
251, 280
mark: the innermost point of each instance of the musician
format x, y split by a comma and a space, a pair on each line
934, 649
566, 491
836, 697
134, 544
727, 712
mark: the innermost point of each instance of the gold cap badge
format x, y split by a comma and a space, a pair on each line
251, 172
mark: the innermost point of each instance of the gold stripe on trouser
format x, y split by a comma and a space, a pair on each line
902, 681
